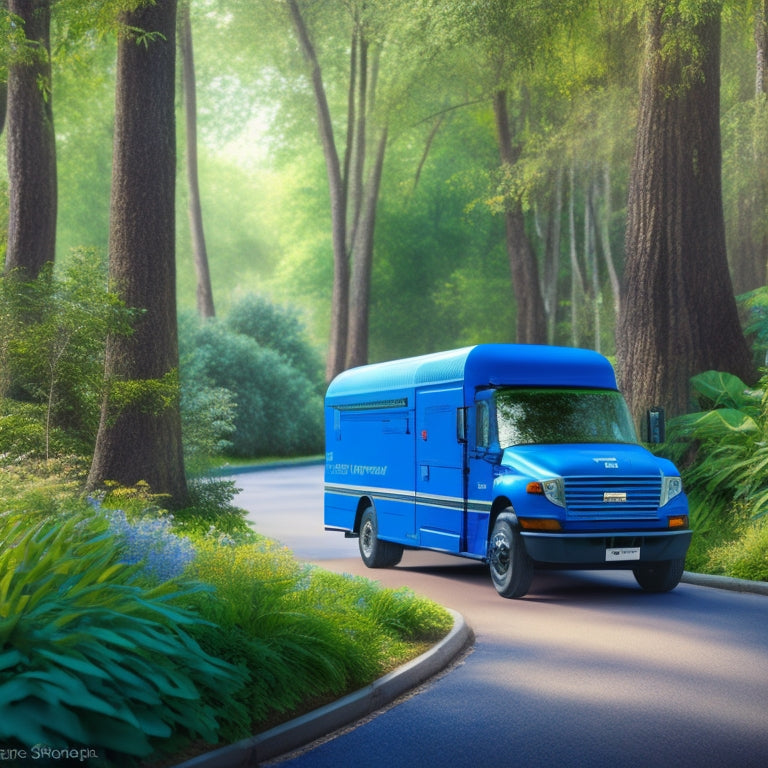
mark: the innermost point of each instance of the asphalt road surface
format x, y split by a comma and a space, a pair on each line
586, 671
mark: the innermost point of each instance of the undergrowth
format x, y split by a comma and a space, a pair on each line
130, 632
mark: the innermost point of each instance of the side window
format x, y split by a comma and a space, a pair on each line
483, 425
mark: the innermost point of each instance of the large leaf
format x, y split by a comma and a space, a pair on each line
725, 390
714, 425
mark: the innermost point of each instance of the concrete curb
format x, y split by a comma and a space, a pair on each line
726, 582
325, 720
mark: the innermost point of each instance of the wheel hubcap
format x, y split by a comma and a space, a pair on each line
366, 538
500, 553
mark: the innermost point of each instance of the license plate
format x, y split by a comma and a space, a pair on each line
614, 554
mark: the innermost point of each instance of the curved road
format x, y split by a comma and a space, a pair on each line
586, 671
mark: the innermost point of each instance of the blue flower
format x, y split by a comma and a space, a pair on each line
150, 540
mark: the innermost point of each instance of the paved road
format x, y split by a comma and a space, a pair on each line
586, 671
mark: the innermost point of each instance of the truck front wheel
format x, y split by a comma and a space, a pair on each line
660, 577
374, 552
510, 565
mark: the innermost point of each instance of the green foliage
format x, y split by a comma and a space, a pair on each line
729, 442
746, 557
211, 510
303, 633
52, 354
207, 423
88, 656
277, 328
151, 396
279, 411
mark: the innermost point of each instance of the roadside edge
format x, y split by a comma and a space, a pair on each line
320, 722
725, 582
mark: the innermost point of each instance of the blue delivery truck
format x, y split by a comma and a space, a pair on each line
521, 456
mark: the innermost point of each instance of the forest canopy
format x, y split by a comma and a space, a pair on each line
430, 75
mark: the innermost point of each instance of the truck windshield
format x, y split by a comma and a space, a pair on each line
529, 416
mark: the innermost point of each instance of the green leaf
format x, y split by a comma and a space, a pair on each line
724, 389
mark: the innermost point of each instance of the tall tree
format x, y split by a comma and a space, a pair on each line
354, 175
524, 267
337, 346
139, 435
205, 304
31, 145
679, 315
746, 176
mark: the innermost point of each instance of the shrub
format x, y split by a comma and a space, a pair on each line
747, 556
279, 413
208, 422
88, 656
54, 330
279, 329
729, 445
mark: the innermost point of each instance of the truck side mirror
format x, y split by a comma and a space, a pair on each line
655, 425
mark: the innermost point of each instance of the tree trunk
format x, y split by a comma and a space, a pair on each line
205, 305
362, 265
340, 297
578, 287
679, 315
552, 249
590, 256
139, 436
605, 242
531, 317
31, 148
761, 46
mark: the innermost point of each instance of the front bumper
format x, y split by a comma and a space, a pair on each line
589, 549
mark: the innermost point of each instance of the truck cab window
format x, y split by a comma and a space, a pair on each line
536, 416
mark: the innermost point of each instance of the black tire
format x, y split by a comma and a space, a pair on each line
663, 576
374, 552
510, 565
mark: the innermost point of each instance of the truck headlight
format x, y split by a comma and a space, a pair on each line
552, 489
670, 487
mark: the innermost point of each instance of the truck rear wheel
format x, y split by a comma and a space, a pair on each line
374, 552
663, 576
510, 565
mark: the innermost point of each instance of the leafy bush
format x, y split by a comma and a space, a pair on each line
279, 329
747, 556
208, 421
279, 412
53, 331
724, 449
90, 657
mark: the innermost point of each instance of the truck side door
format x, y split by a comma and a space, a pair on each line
439, 470
482, 457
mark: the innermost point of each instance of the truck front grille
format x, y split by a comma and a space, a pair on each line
604, 498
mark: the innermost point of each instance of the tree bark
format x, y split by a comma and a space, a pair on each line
205, 304
31, 147
761, 46
605, 242
531, 317
679, 315
362, 265
139, 437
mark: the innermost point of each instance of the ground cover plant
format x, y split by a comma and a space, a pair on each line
136, 634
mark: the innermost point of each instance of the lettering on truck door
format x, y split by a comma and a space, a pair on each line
439, 470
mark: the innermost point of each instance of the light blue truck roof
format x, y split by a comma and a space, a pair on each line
478, 366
